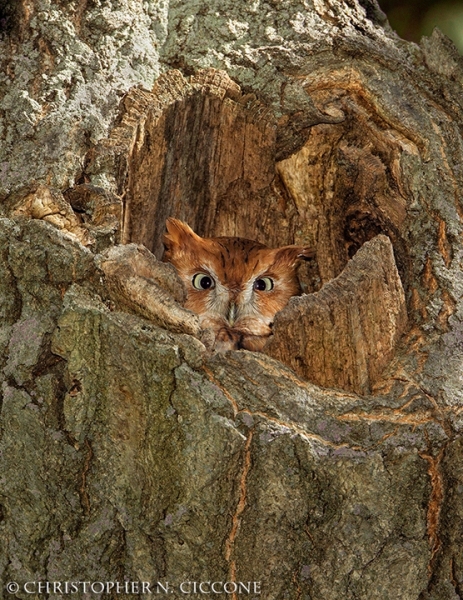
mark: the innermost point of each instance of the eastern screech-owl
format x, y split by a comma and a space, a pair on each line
235, 285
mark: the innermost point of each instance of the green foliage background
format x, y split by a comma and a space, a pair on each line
412, 19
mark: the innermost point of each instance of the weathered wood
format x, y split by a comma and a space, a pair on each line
127, 452
41, 202
199, 150
137, 281
90, 214
345, 335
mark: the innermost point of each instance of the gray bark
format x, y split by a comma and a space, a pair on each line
127, 451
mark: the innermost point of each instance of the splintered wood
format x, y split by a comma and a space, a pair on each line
344, 335
201, 150
185, 149
136, 281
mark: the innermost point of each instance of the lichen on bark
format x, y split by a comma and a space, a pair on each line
127, 451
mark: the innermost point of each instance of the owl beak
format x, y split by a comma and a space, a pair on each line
231, 316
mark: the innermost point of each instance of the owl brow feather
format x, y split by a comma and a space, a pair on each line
208, 269
224, 247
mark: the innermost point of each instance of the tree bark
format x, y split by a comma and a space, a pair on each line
326, 467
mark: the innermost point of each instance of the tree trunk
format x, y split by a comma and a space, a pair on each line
326, 467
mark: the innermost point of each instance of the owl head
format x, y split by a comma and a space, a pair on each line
235, 285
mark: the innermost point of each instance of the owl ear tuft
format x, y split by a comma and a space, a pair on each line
179, 236
290, 255
306, 252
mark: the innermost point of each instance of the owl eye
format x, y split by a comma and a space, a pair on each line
201, 281
263, 284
